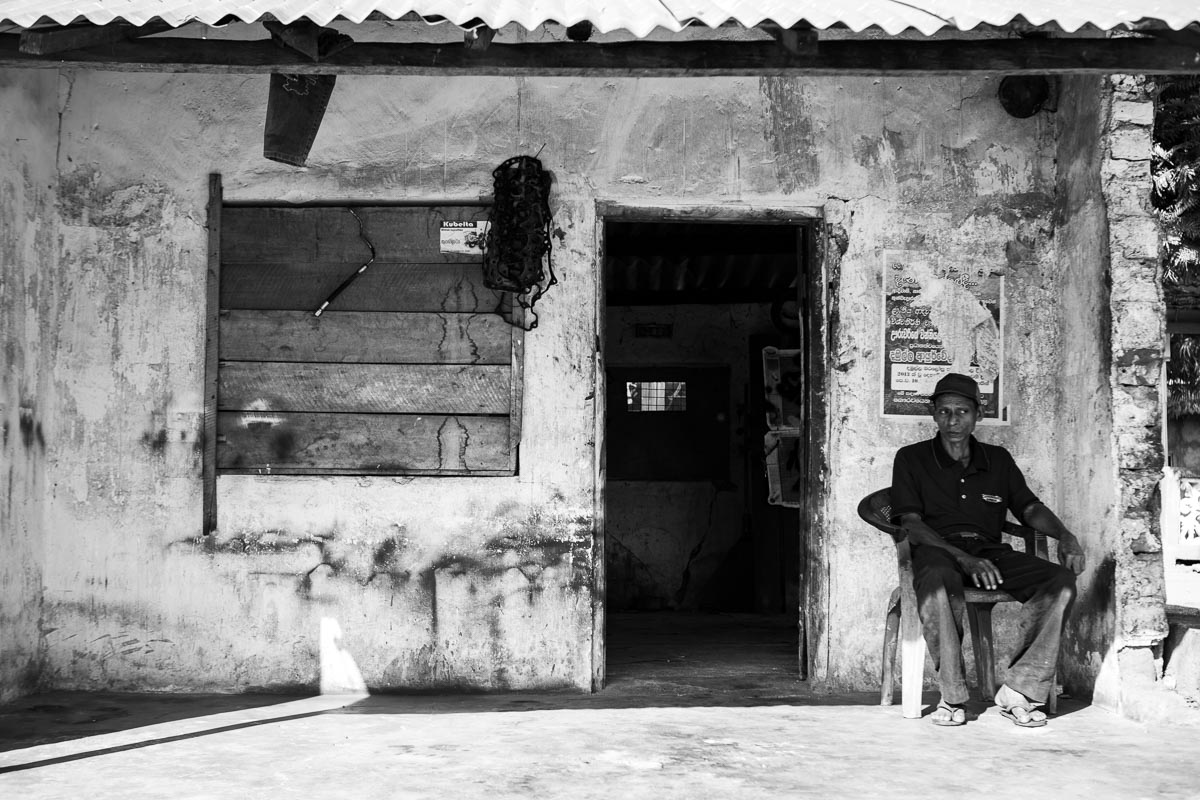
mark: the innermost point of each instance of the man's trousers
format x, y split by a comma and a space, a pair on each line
1045, 590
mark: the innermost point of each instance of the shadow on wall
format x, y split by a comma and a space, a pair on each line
1091, 630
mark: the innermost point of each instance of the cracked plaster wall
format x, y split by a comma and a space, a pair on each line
477, 582
27, 256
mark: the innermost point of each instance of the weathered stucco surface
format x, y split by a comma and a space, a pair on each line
958, 182
489, 582
28, 254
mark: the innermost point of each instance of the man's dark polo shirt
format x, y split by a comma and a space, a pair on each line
952, 498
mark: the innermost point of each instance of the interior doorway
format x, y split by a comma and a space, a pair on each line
703, 500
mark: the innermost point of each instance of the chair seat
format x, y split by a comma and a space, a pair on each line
985, 596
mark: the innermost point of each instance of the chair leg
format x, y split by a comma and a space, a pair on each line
891, 633
912, 654
1052, 698
980, 617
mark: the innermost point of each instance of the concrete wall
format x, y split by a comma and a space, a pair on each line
28, 256
482, 582
960, 184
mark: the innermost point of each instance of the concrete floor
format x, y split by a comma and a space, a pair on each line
727, 719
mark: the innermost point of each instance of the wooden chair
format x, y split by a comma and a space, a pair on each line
902, 621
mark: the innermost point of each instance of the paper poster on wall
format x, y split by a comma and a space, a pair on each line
940, 317
465, 238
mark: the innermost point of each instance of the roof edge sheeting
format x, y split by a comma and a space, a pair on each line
638, 17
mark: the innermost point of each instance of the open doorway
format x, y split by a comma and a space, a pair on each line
703, 552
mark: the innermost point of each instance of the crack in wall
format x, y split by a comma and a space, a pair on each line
686, 578
62, 110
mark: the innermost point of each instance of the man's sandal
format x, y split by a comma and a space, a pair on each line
1022, 713
951, 715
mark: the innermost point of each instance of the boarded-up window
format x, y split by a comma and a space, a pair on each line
410, 371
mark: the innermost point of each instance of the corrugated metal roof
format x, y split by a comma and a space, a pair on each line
639, 17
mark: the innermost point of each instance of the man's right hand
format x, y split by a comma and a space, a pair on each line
981, 571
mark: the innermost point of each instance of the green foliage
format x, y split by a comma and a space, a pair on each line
1175, 177
1183, 375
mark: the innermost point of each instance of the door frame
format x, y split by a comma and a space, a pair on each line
813, 288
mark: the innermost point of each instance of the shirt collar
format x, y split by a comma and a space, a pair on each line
979, 456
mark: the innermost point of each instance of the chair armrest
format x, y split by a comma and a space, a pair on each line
873, 509
1035, 540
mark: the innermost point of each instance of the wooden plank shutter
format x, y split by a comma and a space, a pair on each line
411, 371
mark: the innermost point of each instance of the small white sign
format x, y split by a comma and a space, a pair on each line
465, 238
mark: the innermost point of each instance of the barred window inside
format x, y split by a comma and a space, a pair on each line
656, 396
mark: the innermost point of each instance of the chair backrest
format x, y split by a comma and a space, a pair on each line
876, 509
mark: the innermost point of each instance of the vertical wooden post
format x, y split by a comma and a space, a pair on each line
810, 250
211, 339
600, 484
516, 382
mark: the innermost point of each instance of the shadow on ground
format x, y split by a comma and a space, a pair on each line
654, 661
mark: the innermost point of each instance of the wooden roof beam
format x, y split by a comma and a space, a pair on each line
62, 38
798, 40
1133, 55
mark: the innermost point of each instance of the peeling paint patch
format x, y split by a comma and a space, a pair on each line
958, 170
1138, 357
84, 200
1014, 208
879, 153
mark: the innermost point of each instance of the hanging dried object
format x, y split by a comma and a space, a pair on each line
516, 251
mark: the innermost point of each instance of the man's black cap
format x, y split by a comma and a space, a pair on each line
961, 385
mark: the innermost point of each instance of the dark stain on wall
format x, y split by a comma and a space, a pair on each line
1097, 597
553, 552
283, 443
789, 132
385, 557
30, 427
866, 151
871, 151
156, 442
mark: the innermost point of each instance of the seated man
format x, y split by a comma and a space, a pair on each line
950, 495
